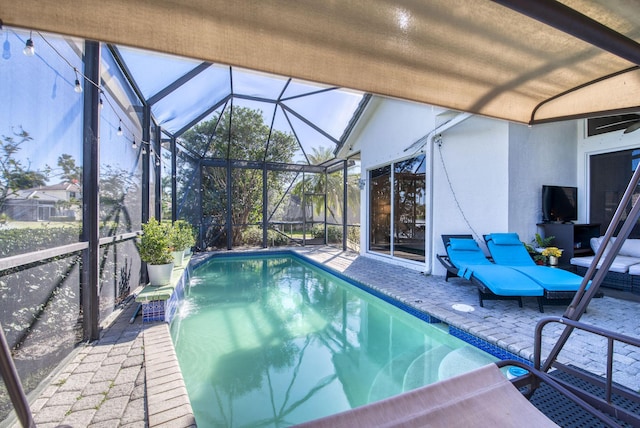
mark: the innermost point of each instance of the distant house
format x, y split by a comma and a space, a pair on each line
57, 202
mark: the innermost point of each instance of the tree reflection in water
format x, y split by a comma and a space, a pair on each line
273, 341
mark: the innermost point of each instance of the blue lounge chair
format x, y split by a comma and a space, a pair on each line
466, 260
507, 250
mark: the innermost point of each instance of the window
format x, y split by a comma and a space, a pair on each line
405, 236
609, 177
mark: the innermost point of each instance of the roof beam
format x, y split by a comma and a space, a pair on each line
179, 82
204, 114
572, 22
308, 122
126, 72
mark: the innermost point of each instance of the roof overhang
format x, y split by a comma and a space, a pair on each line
475, 56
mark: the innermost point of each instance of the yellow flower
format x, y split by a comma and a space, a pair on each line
552, 251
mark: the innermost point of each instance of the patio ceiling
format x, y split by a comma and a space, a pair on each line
476, 56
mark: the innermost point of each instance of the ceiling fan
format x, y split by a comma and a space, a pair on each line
633, 127
627, 122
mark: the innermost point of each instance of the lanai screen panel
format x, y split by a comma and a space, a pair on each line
120, 163
353, 204
41, 198
284, 209
160, 70
214, 207
335, 205
188, 188
314, 203
246, 206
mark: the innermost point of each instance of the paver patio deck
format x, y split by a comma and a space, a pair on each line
130, 377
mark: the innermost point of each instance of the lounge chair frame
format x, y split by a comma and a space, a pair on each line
484, 293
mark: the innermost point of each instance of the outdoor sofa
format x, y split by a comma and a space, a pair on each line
624, 272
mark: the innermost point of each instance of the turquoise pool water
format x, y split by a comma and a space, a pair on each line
272, 341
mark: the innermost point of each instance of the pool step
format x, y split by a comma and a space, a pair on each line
391, 378
424, 369
432, 368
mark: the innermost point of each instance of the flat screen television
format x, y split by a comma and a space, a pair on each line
559, 204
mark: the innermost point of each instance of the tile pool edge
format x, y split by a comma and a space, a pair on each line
168, 402
454, 330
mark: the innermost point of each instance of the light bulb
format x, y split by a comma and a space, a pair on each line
29, 48
100, 103
120, 131
157, 162
6, 48
134, 145
144, 151
78, 88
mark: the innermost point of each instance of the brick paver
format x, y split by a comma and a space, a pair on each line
130, 377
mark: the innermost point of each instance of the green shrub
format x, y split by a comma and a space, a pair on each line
31, 239
181, 235
154, 243
334, 234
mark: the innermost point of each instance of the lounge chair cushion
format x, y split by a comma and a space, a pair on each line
552, 279
482, 397
506, 239
463, 244
507, 249
465, 252
502, 280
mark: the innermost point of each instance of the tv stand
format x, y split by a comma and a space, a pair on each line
572, 238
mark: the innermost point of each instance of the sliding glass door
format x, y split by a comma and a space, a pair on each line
405, 203
380, 210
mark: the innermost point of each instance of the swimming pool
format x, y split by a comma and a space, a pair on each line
273, 340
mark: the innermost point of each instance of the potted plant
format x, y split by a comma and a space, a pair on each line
153, 246
180, 240
537, 256
541, 242
553, 253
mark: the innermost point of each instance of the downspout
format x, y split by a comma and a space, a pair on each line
426, 144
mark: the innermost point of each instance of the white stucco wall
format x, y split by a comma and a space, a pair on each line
475, 156
494, 170
538, 155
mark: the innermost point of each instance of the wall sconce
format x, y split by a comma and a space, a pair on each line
362, 183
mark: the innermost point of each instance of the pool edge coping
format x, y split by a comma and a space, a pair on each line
168, 402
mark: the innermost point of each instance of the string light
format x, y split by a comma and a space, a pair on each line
29, 48
144, 151
78, 87
6, 47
